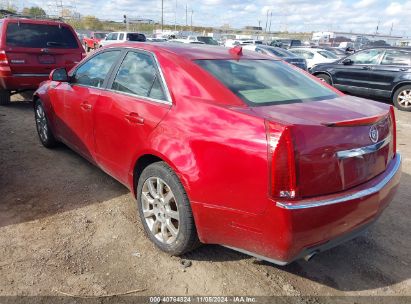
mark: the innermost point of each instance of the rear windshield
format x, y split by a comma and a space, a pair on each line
280, 52
40, 36
136, 37
266, 82
100, 35
207, 40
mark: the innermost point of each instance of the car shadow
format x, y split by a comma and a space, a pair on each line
36, 182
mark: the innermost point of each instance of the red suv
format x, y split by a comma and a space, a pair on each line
30, 49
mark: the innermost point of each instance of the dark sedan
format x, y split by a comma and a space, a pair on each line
376, 72
279, 53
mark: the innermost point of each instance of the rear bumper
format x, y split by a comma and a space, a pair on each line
21, 81
288, 231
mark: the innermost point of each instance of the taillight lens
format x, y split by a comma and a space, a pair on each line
394, 130
3, 58
283, 177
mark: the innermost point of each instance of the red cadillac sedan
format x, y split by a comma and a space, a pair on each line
224, 147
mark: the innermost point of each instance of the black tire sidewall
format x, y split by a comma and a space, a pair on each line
185, 238
395, 98
5, 97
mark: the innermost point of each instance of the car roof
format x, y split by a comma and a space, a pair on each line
32, 21
189, 51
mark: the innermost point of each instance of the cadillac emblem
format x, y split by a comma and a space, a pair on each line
373, 134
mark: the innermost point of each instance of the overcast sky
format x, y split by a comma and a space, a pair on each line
291, 15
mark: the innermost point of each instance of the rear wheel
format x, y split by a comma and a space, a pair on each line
402, 98
324, 77
165, 210
4, 97
45, 134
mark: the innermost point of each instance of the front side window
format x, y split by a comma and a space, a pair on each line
138, 75
121, 36
266, 82
366, 57
396, 57
30, 35
112, 36
94, 71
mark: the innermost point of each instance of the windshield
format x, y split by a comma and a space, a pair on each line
279, 52
207, 40
266, 82
136, 37
100, 35
40, 36
327, 54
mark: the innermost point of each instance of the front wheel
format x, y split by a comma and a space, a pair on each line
165, 210
402, 98
324, 78
43, 128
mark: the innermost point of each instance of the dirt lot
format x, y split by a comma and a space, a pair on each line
65, 226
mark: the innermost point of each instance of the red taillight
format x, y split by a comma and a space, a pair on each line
394, 130
283, 177
3, 58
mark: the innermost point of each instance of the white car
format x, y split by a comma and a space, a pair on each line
120, 37
314, 56
233, 42
204, 39
185, 41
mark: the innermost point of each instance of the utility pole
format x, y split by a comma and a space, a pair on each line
191, 27
175, 18
162, 14
392, 26
271, 16
266, 21
378, 25
186, 16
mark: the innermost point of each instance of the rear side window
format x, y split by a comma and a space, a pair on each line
396, 57
94, 71
40, 36
136, 37
138, 75
266, 82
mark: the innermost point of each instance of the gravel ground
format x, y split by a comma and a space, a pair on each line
67, 227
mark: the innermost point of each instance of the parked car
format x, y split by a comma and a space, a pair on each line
279, 53
30, 49
340, 53
233, 42
121, 37
226, 147
186, 41
203, 39
378, 72
314, 56
286, 43
156, 39
93, 42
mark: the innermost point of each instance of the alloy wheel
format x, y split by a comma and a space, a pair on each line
41, 123
404, 98
160, 210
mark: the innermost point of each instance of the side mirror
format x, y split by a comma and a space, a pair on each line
59, 75
347, 61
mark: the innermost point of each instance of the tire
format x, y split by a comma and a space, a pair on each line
44, 132
165, 210
324, 77
402, 98
4, 97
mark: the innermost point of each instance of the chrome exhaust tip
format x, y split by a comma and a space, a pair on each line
310, 256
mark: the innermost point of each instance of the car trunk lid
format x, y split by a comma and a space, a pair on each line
339, 143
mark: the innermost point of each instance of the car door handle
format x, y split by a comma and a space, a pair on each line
366, 68
403, 69
134, 118
86, 106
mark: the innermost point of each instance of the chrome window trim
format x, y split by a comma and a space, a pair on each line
162, 79
325, 202
363, 150
31, 75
